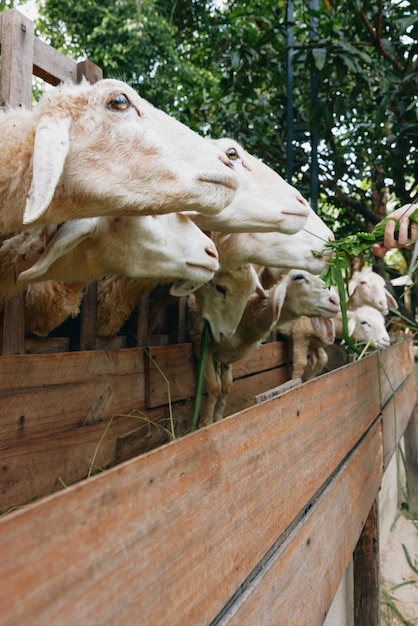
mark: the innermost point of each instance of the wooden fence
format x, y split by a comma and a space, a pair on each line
252, 520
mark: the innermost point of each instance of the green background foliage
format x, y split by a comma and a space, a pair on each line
220, 67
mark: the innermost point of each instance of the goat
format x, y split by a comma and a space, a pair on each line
297, 292
101, 149
365, 324
147, 246
142, 246
265, 202
368, 287
310, 337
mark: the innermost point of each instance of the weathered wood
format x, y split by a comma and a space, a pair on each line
267, 356
89, 70
166, 531
411, 461
244, 390
367, 572
299, 581
171, 373
84, 336
52, 66
277, 391
17, 37
396, 415
81, 388
13, 331
236, 483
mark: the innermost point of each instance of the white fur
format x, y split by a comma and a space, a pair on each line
368, 287
101, 149
265, 201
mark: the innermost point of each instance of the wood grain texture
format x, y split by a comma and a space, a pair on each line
162, 536
300, 580
41, 395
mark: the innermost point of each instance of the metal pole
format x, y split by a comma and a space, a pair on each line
289, 92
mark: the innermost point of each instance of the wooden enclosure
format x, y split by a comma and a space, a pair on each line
250, 521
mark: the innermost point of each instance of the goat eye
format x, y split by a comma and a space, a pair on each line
232, 154
118, 102
220, 289
363, 282
299, 277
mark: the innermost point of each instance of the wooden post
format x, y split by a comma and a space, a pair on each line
367, 572
17, 37
411, 461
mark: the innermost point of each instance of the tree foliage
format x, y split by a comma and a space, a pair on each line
221, 68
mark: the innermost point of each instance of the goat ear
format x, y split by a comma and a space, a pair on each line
183, 287
51, 147
65, 239
325, 328
392, 303
279, 297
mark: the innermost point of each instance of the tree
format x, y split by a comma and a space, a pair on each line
221, 69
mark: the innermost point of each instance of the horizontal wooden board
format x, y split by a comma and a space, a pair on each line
42, 466
298, 583
162, 536
41, 395
244, 390
267, 356
172, 373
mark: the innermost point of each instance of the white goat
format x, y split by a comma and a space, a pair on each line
143, 246
365, 324
101, 149
297, 292
310, 337
265, 202
221, 301
147, 246
368, 287
304, 250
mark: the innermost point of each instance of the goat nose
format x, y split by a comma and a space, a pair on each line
212, 252
334, 300
302, 200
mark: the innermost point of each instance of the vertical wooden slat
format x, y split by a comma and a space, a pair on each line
90, 71
17, 37
83, 327
366, 572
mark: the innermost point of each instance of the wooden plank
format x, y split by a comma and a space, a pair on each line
298, 583
277, 391
44, 394
40, 467
17, 37
267, 356
88, 70
164, 532
52, 66
172, 372
13, 331
411, 461
367, 572
244, 390
396, 415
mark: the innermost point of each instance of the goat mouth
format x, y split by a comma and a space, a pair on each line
330, 309
229, 180
204, 269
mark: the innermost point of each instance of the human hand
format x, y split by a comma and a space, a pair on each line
405, 236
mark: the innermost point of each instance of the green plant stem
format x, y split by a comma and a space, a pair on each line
203, 355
